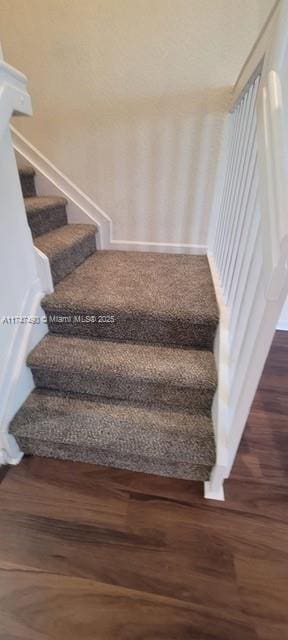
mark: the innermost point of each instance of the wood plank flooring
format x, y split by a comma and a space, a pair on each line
88, 553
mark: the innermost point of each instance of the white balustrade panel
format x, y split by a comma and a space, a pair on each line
248, 250
239, 211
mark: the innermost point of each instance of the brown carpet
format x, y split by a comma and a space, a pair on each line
154, 298
126, 376
45, 214
26, 175
67, 247
139, 372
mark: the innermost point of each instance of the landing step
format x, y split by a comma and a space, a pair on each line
145, 373
45, 213
117, 434
154, 298
67, 247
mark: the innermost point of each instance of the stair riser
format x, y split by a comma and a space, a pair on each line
67, 260
46, 220
198, 400
128, 328
28, 186
176, 469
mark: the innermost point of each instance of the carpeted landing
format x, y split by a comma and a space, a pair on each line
126, 375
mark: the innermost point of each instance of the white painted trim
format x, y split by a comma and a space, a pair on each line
158, 247
17, 381
80, 207
257, 52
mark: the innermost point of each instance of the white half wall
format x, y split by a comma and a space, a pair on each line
20, 295
129, 100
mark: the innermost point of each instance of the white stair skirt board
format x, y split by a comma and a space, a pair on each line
81, 209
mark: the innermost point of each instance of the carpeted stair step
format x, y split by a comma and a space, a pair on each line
145, 297
117, 434
27, 175
127, 371
67, 247
45, 213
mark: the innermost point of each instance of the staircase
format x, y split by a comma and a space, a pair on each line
126, 375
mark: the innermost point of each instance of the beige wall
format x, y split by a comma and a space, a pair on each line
129, 97
264, 7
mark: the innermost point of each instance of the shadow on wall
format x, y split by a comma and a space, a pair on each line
148, 163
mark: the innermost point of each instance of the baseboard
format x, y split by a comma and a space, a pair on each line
51, 181
158, 247
17, 382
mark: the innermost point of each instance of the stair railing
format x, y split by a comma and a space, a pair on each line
248, 247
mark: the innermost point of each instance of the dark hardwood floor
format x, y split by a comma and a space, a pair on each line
89, 553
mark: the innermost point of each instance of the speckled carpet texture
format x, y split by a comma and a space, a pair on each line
126, 375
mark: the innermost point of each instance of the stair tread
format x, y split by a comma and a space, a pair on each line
117, 427
85, 357
26, 170
176, 287
35, 204
63, 238
27, 175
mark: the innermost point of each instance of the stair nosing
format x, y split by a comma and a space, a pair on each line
192, 418
26, 171
53, 202
148, 374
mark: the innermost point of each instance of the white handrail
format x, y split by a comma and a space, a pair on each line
248, 250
